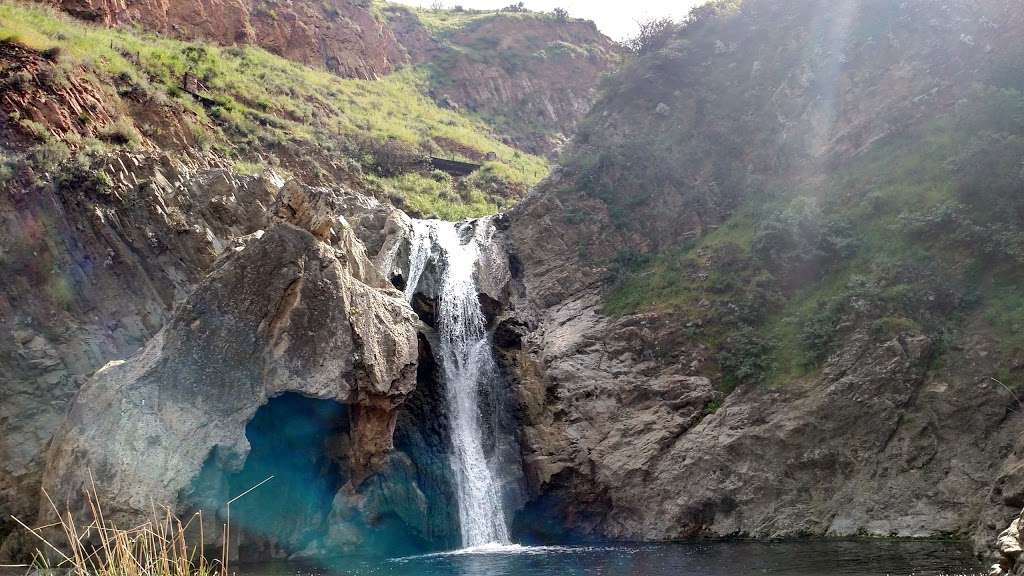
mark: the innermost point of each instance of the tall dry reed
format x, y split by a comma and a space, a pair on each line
163, 545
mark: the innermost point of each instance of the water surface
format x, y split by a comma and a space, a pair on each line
853, 558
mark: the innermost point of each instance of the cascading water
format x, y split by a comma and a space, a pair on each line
467, 364
419, 254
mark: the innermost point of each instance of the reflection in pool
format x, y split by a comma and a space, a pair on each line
843, 558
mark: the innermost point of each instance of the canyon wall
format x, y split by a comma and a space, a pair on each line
765, 295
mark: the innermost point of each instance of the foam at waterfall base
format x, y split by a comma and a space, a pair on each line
495, 548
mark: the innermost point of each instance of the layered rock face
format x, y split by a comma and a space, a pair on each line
342, 36
630, 429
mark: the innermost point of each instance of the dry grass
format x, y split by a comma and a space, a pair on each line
164, 545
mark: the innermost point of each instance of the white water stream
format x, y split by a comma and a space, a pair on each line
467, 364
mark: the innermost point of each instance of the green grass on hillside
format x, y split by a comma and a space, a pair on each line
442, 22
260, 100
892, 278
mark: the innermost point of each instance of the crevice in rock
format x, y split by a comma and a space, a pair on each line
426, 308
490, 308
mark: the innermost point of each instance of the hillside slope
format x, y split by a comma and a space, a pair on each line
795, 236
531, 76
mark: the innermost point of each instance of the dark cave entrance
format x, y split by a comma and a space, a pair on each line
301, 442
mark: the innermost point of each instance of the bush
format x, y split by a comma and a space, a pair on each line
18, 81
121, 132
53, 53
800, 241
390, 158
990, 176
953, 222
34, 129
743, 358
653, 35
8, 169
82, 174
441, 176
894, 297
53, 77
49, 155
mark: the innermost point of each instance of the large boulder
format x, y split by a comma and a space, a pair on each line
285, 311
90, 276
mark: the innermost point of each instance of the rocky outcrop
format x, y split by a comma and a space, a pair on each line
282, 312
343, 36
1007, 549
91, 277
96, 272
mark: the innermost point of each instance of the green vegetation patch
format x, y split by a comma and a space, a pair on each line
911, 237
248, 100
442, 22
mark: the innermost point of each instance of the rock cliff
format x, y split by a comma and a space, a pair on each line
93, 278
663, 392
298, 309
343, 36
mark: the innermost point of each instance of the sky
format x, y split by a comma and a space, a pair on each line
616, 18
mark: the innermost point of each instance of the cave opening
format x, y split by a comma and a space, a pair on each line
301, 442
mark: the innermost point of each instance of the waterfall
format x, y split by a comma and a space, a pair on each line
419, 254
467, 363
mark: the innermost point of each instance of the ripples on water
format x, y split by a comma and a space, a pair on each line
871, 558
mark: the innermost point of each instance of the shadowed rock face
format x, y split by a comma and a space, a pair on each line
285, 313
